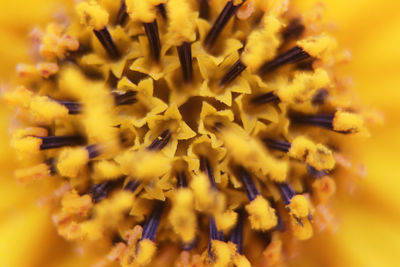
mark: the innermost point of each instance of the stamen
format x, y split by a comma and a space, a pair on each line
293, 55
235, 71
132, 185
100, 191
120, 99
321, 120
206, 168
248, 185
237, 232
49, 142
163, 11
278, 145
154, 39
72, 106
287, 192
151, 226
293, 30
320, 97
214, 234
161, 141
107, 42
182, 180
122, 14
265, 98
223, 18
185, 58
204, 9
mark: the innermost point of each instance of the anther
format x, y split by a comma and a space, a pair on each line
182, 180
122, 14
223, 18
237, 232
185, 58
151, 226
100, 191
234, 71
206, 168
293, 55
340, 122
265, 98
161, 141
154, 39
277, 145
49, 142
107, 42
248, 185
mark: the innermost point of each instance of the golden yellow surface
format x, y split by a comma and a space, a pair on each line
368, 233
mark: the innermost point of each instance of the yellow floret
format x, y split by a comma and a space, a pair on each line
222, 253
26, 70
71, 161
262, 217
320, 47
323, 189
144, 164
225, 221
47, 69
206, 198
26, 140
303, 230
182, 22
33, 173
146, 250
106, 170
304, 86
241, 261
251, 154
262, 44
273, 252
315, 155
74, 204
93, 15
299, 206
182, 216
46, 110
144, 11
20, 96
347, 122
27, 144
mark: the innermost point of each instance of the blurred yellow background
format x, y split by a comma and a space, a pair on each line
369, 229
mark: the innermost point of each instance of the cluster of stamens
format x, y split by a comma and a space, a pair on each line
169, 123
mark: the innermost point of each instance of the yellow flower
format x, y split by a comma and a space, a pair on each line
153, 129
